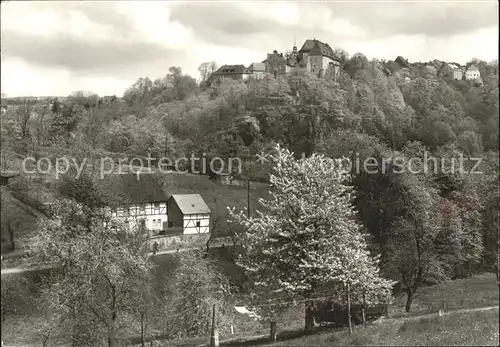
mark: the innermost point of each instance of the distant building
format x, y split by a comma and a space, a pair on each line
318, 57
235, 72
258, 70
472, 73
401, 61
275, 64
458, 71
292, 60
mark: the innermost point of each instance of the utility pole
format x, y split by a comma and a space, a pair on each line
214, 338
248, 197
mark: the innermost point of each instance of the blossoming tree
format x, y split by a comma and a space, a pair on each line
307, 236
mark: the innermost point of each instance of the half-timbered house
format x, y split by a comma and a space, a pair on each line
138, 202
181, 220
189, 212
188, 223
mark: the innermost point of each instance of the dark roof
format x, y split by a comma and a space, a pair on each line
190, 203
275, 56
317, 47
231, 69
127, 189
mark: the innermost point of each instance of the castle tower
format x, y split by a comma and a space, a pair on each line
294, 45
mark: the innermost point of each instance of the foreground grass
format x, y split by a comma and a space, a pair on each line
467, 329
471, 328
476, 291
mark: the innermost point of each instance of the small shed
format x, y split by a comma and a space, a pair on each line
6, 176
189, 213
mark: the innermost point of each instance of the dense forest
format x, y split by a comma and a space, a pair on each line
427, 225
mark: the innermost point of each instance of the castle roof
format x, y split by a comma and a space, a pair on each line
275, 56
317, 47
231, 69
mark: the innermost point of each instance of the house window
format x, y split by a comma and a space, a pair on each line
198, 224
157, 208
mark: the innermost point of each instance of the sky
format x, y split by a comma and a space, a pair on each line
55, 48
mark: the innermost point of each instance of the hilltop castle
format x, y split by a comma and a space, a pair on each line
315, 57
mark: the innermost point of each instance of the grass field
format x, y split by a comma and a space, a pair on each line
472, 328
476, 291
217, 196
466, 329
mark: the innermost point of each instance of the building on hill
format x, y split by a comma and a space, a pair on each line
318, 57
107, 99
401, 61
472, 73
258, 70
292, 59
275, 64
235, 72
458, 71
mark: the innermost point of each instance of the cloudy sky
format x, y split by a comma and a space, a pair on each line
54, 48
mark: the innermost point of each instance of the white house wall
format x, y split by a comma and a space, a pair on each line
470, 75
190, 223
326, 62
154, 215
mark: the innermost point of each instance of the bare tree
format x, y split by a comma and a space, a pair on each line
206, 69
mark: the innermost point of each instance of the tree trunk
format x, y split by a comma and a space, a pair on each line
409, 298
349, 308
272, 332
143, 330
309, 317
111, 328
364, 309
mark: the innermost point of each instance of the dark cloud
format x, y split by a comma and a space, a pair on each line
222, 18
226, 23
433, 19
84, 55
104, 13
223, 23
